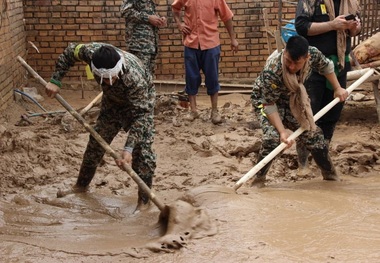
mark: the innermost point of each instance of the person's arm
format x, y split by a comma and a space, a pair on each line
339, 92
130, 13
182, 27
73, 52
275, 120
356, 27
325, 67
230, 29
339, 23
140, 98
266, 91
306, 26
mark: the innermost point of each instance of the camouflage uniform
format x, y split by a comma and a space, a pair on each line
270, 94
127, 104
140, 36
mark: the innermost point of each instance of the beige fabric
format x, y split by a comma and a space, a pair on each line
346, 7
299, 100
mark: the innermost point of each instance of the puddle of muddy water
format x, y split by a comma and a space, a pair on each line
309, 221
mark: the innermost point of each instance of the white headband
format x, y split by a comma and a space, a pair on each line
108, 72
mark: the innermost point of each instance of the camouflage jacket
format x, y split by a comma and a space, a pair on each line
140, 35
269, 88
133, 92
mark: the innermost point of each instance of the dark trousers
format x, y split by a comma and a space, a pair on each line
320, 96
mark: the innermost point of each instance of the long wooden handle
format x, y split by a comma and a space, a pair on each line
366, 74
98, 138
89, 106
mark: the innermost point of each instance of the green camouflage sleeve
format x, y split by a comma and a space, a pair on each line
129, 11
319, 62
268, 86
140, 96
73, 53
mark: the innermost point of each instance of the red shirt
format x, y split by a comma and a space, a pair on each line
202, 18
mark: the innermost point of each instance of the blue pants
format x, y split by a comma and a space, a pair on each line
207, 61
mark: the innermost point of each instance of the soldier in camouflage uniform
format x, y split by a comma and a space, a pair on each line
271, 101
141, 30
128, 102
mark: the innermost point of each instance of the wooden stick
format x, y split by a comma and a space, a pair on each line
91, 104
267, 30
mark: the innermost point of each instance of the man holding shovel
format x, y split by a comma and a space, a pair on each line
281, 102
127, 102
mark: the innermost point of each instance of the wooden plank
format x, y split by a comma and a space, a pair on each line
267, 30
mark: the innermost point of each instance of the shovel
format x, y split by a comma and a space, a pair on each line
299, 131
161, 206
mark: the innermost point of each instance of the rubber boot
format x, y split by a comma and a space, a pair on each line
86, 174
260, 178
323, 160
143, 200
303, 159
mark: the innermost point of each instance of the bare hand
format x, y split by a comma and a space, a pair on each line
157, 21
51, 89
341, 93
126, 158
284, 138
164, 21
234, 46
184, 29
340, 23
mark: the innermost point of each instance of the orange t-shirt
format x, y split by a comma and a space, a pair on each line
202, 18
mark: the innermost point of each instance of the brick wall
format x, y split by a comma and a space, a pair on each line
52, 24
12, 44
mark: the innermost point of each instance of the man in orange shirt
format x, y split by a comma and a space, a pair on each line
202, 47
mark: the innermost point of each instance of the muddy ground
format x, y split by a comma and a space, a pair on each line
292, 219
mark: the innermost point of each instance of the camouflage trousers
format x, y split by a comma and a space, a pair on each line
149, 60
313, 140
108, 125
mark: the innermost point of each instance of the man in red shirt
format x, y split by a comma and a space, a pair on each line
202, 47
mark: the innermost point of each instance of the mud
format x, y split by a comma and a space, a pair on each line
292, 219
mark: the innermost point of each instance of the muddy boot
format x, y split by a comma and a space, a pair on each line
143, 201
323, 160
303, 162
259, 182
86, 173
260, 178
72, 190
330, 175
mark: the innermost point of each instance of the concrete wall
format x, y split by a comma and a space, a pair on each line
12, 44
